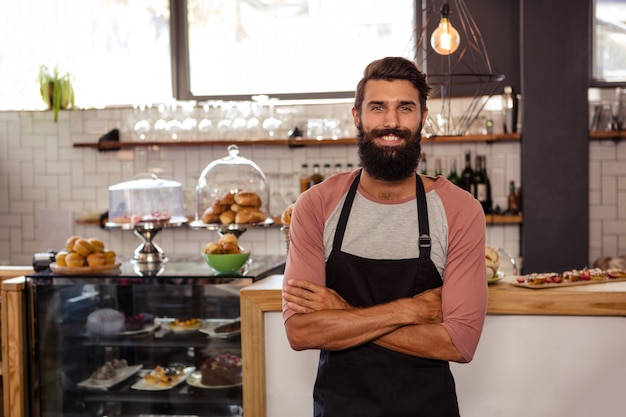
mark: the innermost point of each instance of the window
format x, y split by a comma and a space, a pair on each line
609, 43
287, 48
119, 51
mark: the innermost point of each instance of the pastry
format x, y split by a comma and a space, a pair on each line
228, 238
221, 369
492, 261
109, 257
59, 258
210, 215
69, 244
285, 217
227, 199
249, 215
227, 217
248, 199
96, 244
82, 247
73, 259
96, 259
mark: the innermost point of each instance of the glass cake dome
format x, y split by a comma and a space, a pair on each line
232, 191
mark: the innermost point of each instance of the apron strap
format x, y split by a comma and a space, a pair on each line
422, 218
345, 213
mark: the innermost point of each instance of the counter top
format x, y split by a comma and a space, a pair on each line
602, 299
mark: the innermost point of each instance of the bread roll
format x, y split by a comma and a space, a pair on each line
492, 261
227, 217
82, 247
59, 258
228, 238
227, 199
213, 248
209, 216
109, 257
249, 215
285, 218
69, 244
248, 199
74, 259
96, 244
96, 259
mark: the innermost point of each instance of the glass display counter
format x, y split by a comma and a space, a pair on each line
163, 324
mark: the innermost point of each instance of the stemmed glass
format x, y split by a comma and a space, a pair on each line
271, 124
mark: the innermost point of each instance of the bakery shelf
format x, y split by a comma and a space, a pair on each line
107, 146
492, 219
615, 135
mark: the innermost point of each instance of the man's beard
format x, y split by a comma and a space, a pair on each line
389, 163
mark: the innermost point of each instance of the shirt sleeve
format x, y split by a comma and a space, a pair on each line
465, 292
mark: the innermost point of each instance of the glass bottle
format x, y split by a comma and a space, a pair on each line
327, 171
509, 109
453, 176
512, 204
305, 178
467, 176
316, 177
479, 186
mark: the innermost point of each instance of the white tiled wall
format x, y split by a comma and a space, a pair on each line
46, 183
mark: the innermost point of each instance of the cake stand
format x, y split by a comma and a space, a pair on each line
148, 253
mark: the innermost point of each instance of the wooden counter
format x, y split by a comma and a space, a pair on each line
606, 299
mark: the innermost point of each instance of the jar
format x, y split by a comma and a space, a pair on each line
232, 190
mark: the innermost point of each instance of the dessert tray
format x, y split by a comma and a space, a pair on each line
169, 324
85, 270
573, 278
195, 378
147, 329
223, 328
120, 375
143, 385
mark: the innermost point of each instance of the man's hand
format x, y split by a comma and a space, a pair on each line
305, 297
429, 306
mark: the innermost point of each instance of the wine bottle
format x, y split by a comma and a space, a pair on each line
467, 175
479, 185
512, 205
453, 176
488, 205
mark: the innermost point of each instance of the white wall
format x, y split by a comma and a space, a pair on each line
46, 184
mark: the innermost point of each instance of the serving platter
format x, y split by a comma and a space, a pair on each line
85, 270
142, 385
195, 378
120, 375
563, 283
168, 324
146, 329
222, 328
499, 276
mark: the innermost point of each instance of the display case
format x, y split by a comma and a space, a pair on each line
66, 348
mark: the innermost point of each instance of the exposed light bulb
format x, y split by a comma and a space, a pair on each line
445, 39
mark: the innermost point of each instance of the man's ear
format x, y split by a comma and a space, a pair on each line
424, 116
355, 116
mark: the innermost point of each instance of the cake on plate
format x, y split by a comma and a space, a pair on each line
222, 369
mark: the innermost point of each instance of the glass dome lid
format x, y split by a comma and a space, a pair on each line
232, 190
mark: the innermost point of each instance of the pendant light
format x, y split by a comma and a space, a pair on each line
445, 40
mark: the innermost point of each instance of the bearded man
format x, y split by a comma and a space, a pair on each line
385, 271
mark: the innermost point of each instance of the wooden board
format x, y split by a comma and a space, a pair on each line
565, 283
84, 270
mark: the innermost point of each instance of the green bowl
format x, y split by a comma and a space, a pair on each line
228, 262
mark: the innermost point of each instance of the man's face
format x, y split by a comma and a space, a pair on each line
389, 127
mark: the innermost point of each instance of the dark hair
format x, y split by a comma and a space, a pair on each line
393, 68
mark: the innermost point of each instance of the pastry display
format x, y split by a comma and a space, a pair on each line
221, 369
571, 277
232, 191
238, 207
227, 244
146, 200
492, 262
80, 252
185, 324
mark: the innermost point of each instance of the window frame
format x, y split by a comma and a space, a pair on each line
181, 78
594, 80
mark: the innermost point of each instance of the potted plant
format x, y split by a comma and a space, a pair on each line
56, 89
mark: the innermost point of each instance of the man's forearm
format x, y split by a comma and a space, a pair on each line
424, 340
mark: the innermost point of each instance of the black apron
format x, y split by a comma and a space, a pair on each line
369, 380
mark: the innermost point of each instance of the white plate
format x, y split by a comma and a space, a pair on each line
148, 329
142, 385
211, 324
498, 277
195, 378
120, 375
167, 323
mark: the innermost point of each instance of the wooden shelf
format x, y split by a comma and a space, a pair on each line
503, 219
108, 146
611, 134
